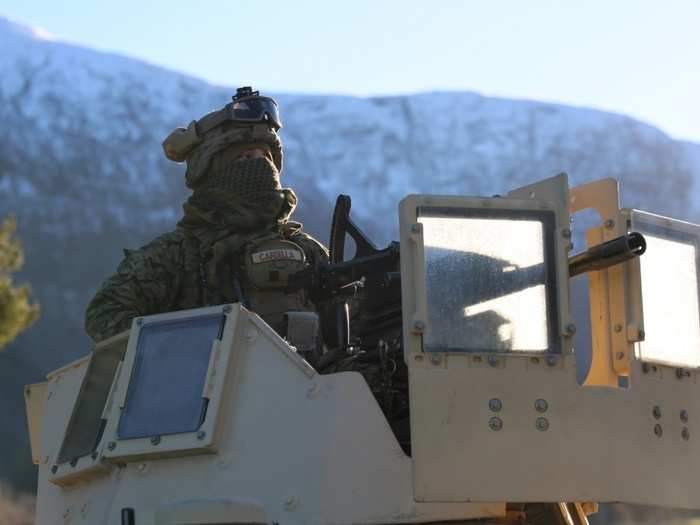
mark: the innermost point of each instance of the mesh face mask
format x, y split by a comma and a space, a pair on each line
254, 180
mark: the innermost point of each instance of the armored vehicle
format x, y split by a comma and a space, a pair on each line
208, 416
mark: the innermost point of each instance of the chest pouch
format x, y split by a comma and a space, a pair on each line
269, 264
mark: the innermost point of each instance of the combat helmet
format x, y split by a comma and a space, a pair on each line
248, 120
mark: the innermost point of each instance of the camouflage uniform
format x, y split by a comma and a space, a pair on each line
167, 275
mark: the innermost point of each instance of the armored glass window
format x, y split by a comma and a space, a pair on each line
86, 425
165, 394
669, 277
489, 280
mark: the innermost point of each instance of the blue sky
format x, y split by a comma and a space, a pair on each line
640, 57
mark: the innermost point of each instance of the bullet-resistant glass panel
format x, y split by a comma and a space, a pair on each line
489, 280
86, 424
165, 390
669, 274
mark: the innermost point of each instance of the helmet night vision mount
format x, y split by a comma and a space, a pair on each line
246, 107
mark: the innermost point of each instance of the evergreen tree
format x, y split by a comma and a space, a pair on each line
16, 310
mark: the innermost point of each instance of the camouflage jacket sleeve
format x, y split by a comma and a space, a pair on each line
145, 283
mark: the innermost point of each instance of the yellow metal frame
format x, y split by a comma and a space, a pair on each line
617, 321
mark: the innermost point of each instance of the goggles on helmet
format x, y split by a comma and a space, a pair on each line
249, 108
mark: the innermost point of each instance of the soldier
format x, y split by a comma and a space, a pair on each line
235, 242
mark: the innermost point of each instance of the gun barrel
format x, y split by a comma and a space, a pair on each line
608, 254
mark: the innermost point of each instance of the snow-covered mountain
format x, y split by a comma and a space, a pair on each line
82, 169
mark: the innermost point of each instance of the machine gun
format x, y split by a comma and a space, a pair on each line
371, 280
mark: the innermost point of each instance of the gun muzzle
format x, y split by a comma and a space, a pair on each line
608, 254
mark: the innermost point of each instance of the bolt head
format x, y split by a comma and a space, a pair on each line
542, 424
54, 469
201, 434
570, 329
645, 368
685, 433
551, 360
419, 326
656, 412
155, 440
658, 430
566, 233
495, 405
618, 328
495, 424
112, 445
684, 416
541, 405
610, 224
493, 360
619, 356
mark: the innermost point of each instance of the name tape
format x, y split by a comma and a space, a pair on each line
282, 254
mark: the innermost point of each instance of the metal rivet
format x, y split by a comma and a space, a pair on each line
155, 440
542, 424
111, 445
493, 360
541, 405
618, 328
684, 416
201, 434
495, 423
685, 433
54, 469
656, 412
419, 325
570, 329
227, 309
658, 430
566, 233
495, 405
610, 224
551, 360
